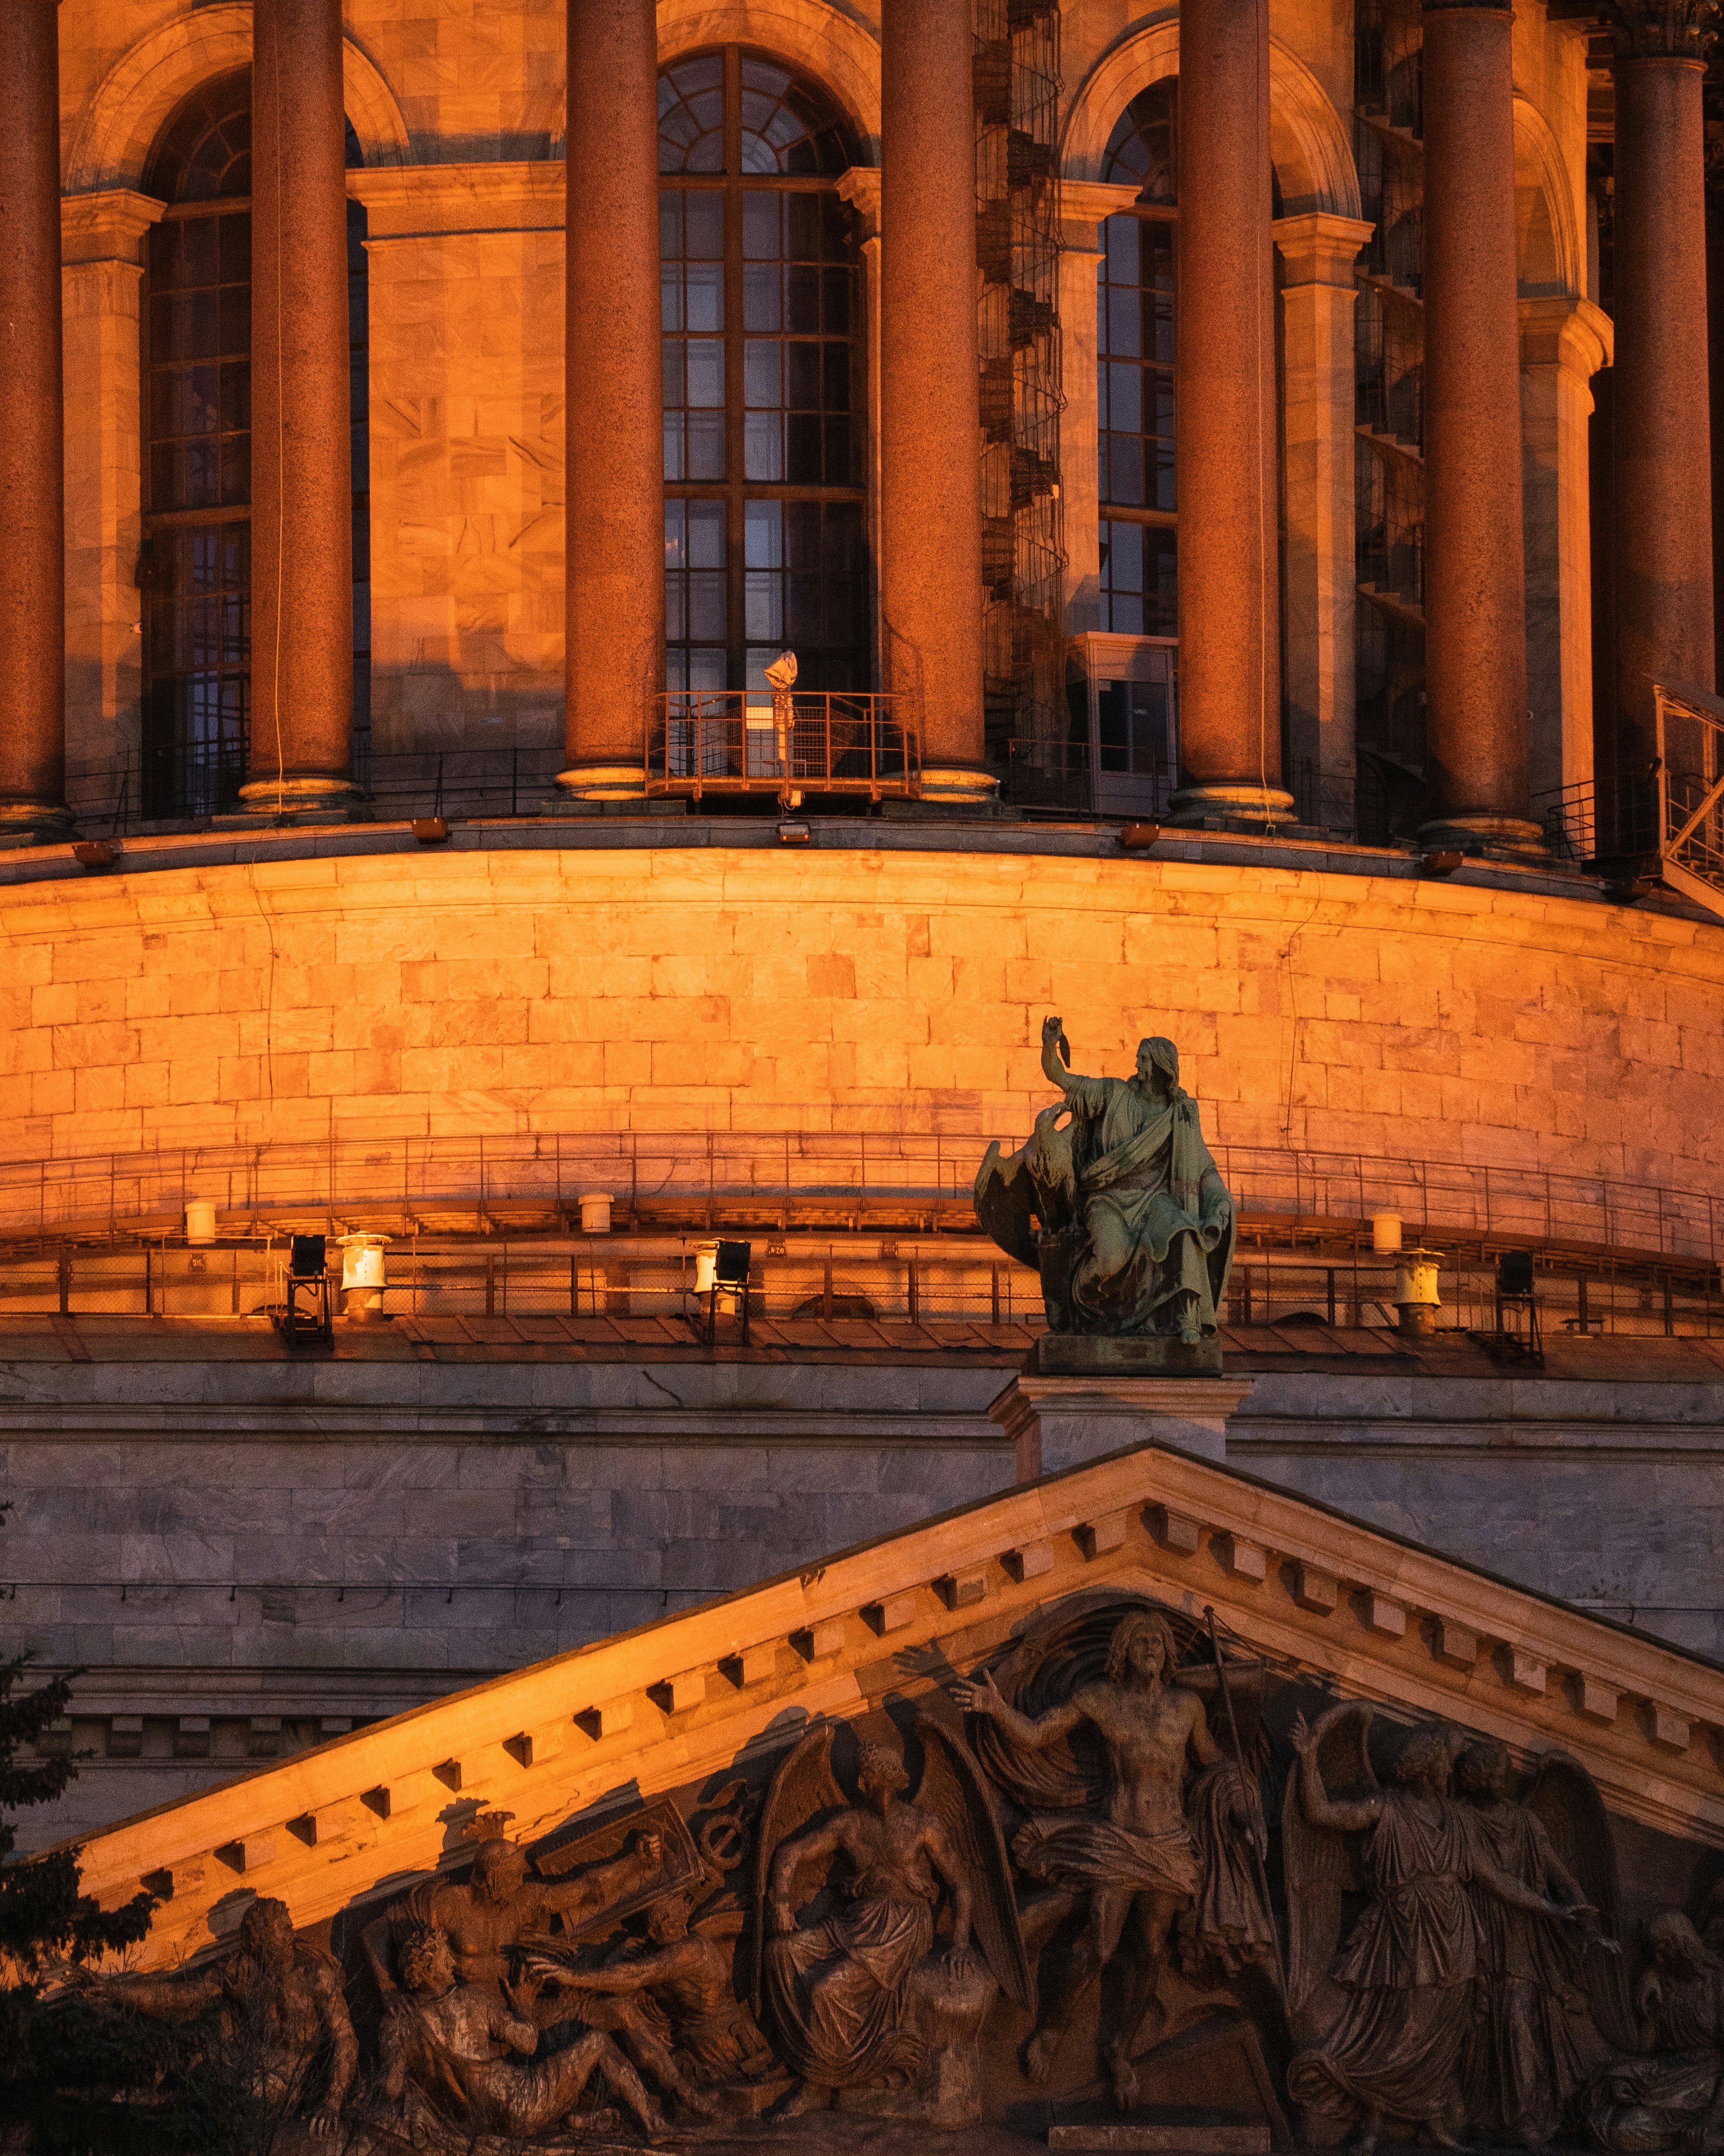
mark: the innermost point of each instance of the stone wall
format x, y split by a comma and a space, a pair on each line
248, 1556
570, 985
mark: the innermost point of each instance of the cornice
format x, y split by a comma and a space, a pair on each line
108, 226
427, 202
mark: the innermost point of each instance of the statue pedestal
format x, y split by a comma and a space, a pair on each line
1056, 1422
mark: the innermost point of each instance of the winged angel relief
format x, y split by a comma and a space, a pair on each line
850, 1981
1085, 1882
1471, 1989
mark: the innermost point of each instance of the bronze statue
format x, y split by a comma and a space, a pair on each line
1670, 2102
838, 1987
439, 2045
1137, 1862
486, 1918
1137, 1229
671, 2003
1533, 2040
1406, 1974
282, 2013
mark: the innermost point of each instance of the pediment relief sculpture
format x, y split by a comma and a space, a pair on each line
1116, 1865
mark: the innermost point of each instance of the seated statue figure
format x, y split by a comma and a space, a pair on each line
1137, 1228
1669, 2099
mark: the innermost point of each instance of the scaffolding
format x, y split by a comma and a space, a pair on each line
1017, 81
1388, 376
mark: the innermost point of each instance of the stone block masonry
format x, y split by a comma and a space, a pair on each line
700, 987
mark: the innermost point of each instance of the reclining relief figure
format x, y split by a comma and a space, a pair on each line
439, 2048
1137, 1229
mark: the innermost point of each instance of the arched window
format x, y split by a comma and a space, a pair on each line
195, 564
764, 518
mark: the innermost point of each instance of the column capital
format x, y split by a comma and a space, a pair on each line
107, 227
859, 185
1320, 247
1561, 330
1665, 30
1085, 206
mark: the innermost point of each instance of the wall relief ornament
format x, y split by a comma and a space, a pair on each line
1116, 1201
1123, 1874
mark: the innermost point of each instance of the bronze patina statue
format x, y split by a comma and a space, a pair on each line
1137, 1228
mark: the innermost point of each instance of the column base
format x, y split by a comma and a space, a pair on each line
33, 823
1055, 1423
315, 798
586, 786
1227, 804
1512, 838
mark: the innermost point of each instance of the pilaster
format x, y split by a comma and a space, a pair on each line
103, 238
1318, 250
1564, 342
860, 187
466, 453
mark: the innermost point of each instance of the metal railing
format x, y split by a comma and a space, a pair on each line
745, 742
453, 783
602, 1283
920, 1180
1690, 792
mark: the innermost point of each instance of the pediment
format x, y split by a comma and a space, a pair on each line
1366, 1613
880, 1810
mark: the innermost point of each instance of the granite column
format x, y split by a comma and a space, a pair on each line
1224, 400
931, 469
32, 515
615, 594
299, 764
1474, 559
1664, 627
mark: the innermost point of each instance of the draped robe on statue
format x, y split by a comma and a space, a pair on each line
1144, 1185
1408, 1972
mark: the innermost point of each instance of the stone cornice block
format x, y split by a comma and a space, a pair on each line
1455, 1644
1318, 247
1597, 1702
1314, 1590
1669, 1730
1097, 1537
753, 1665
859, 185
1245, 1560
1525, 1670
249, 1853
610, 1720
428, 201
1029, 1563
1177, 1532
1383, 1614
1085, 206
962, 1590
1559, 331
892, 1612
106, 227
677, 1695
815, 1642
